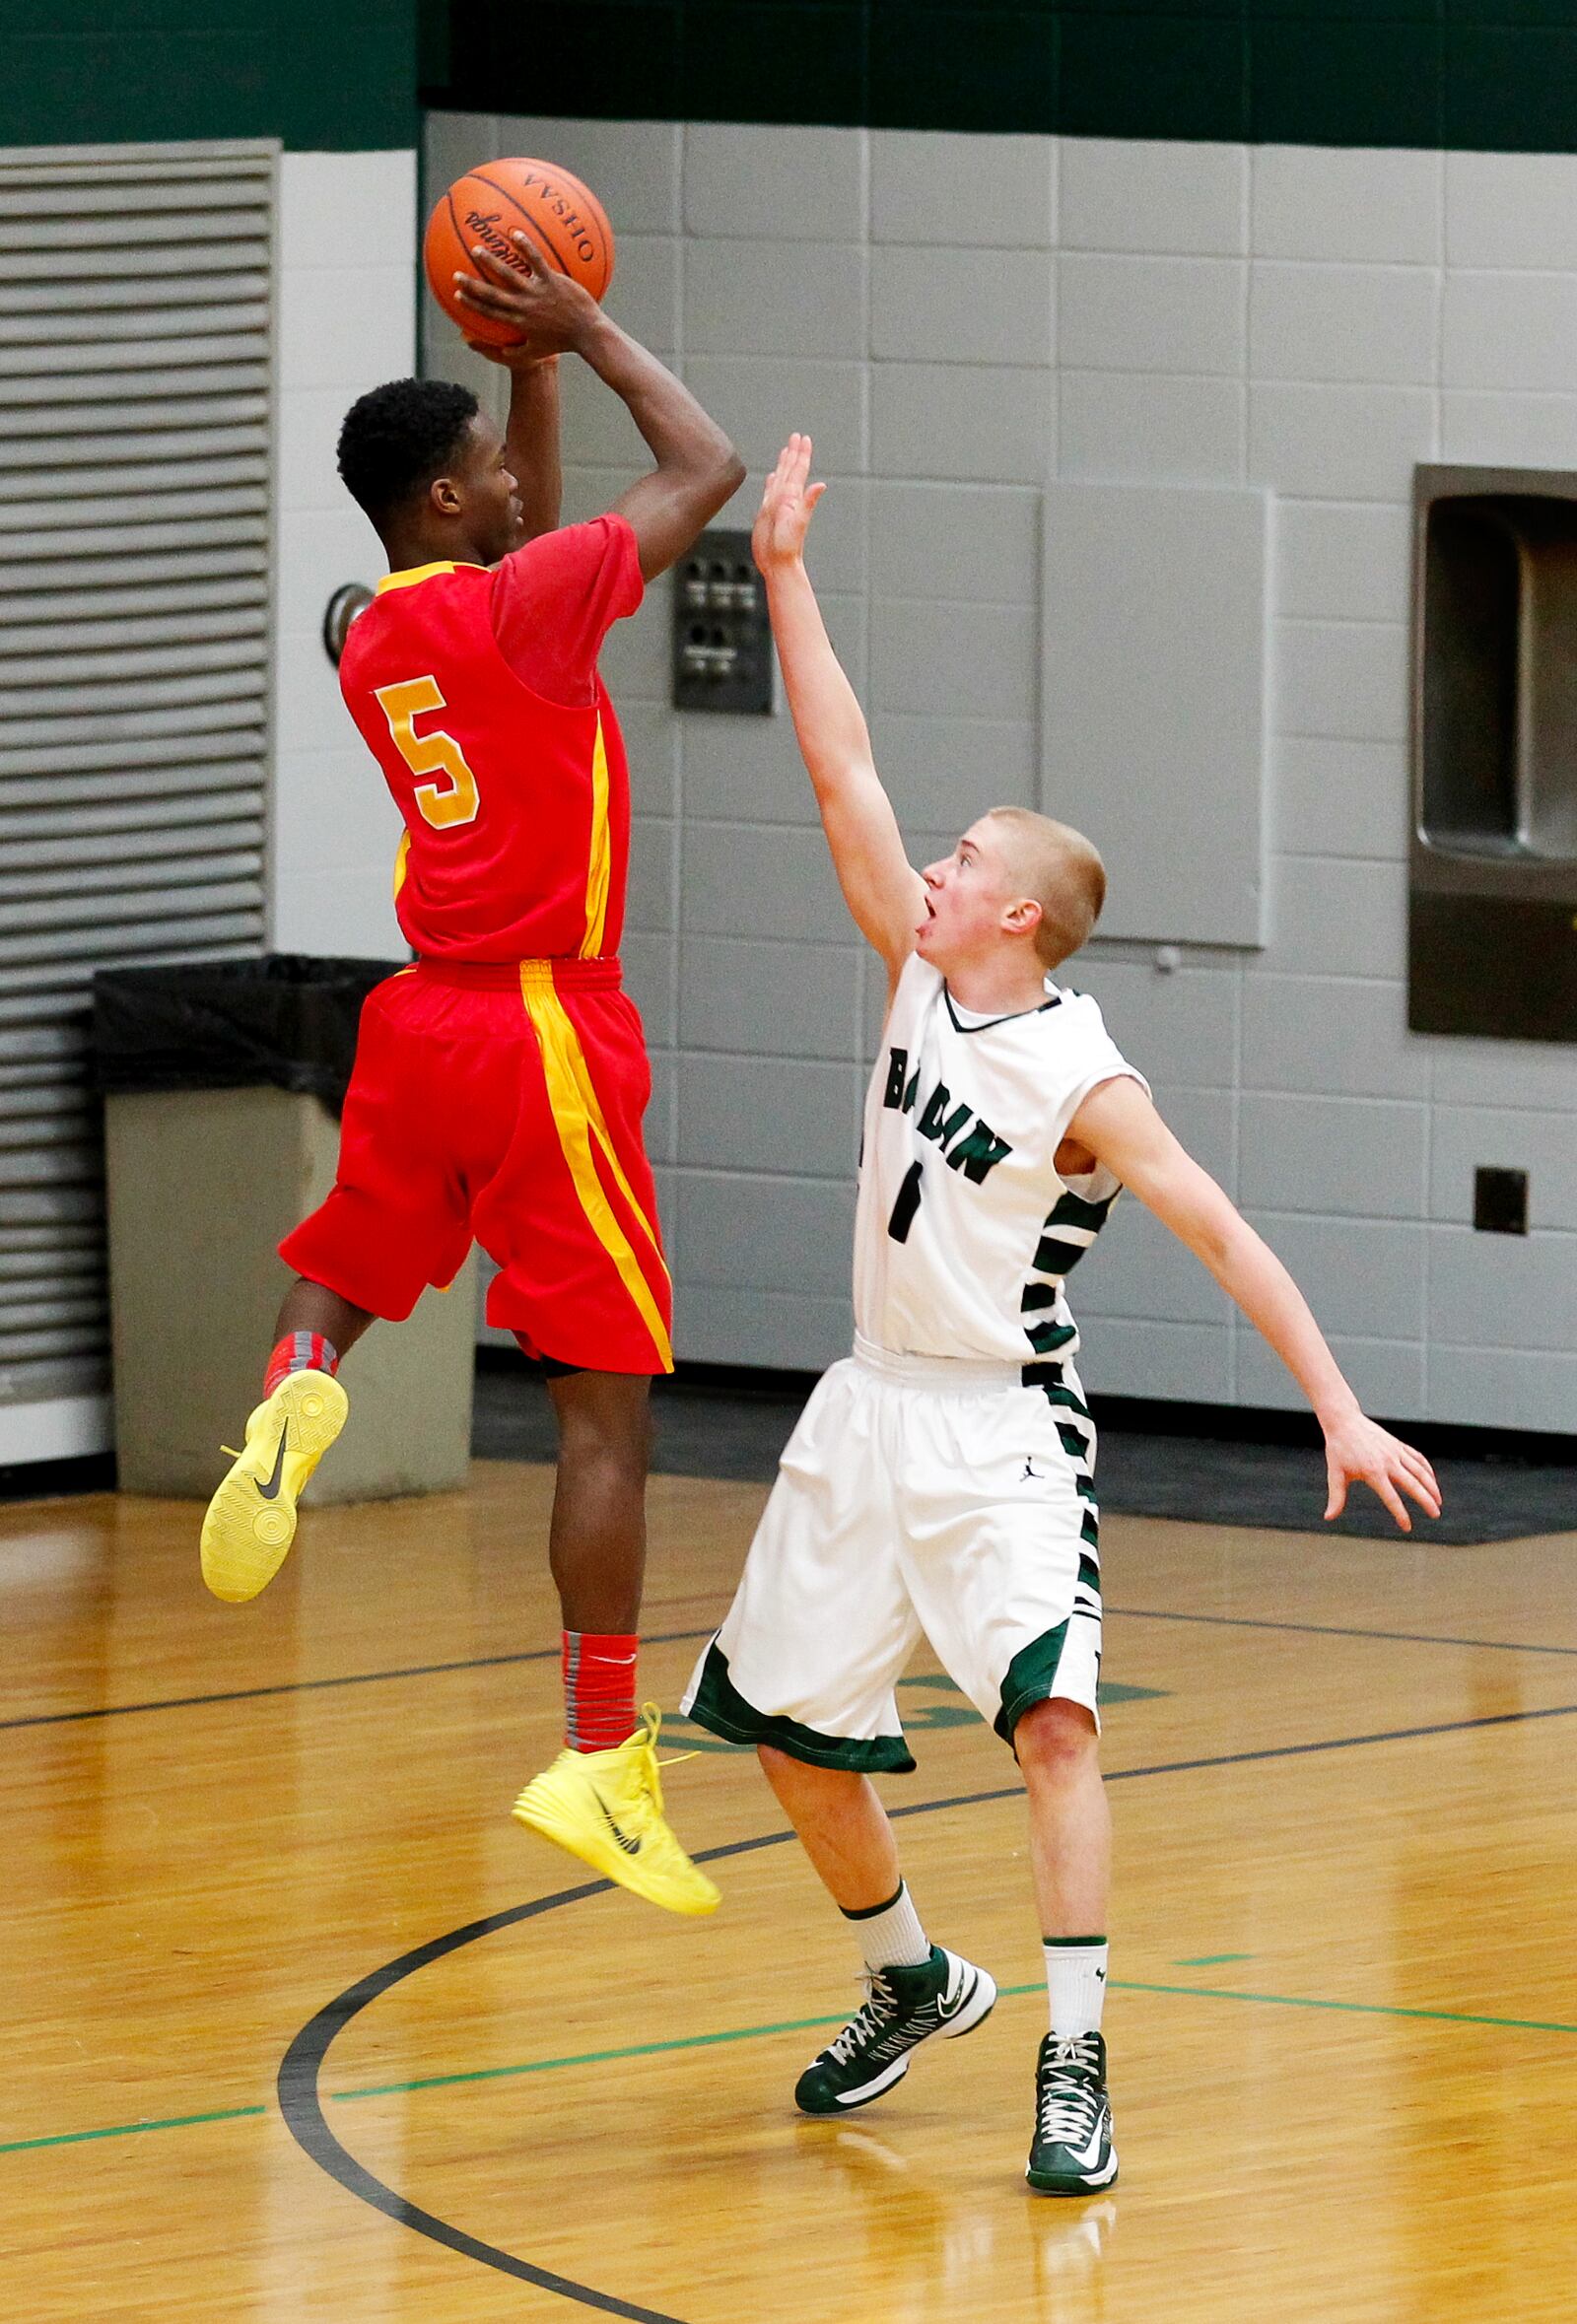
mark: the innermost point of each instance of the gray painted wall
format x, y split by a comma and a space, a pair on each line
957, 320
343, 327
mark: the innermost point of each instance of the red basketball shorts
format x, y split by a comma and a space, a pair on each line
502, 1105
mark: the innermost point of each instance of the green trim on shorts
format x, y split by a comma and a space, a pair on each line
1031, 1679
1048, 1378
722, 1709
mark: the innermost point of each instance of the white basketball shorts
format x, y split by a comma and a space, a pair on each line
917, 1496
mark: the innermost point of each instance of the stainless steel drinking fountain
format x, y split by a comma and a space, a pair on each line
1492, 921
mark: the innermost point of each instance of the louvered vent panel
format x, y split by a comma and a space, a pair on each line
136, 303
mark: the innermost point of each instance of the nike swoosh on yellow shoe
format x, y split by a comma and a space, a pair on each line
606, 1809
630, 1847
251, 1519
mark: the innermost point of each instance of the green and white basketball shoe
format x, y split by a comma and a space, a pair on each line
943, 1997
1071, 2153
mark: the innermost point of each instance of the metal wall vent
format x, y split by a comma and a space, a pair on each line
136, 343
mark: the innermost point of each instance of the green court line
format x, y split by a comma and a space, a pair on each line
1210, 1961
644, 2049
124, 2129
1299, 2001
703, 2041
698, 2041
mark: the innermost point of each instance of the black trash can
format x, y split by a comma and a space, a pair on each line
223, 1082
286, 1021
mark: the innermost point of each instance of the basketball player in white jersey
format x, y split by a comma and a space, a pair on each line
941, 1478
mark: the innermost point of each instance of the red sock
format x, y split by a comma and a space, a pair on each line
598, 1690
299, 1351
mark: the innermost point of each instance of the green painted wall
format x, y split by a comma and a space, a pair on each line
332, 75
1489, 74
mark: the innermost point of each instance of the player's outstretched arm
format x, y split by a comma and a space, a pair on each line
1120, 1125
882, 889
696, 467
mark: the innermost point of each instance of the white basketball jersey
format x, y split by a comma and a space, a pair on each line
964, 1230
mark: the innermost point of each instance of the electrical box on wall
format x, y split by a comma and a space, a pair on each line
722, 637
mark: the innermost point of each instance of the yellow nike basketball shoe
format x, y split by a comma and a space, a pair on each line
251, 1519
606, 1808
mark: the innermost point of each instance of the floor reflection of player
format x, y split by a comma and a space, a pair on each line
926, 2241
1066, 2260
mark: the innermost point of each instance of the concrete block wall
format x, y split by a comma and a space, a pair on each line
957, 318
345, 323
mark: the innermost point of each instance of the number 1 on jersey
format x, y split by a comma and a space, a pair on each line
908, 1203
437, 753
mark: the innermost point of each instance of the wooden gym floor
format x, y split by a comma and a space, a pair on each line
1344, 2022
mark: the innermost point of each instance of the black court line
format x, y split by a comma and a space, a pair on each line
301, 2100
544, 1654
301, 2105
253, 1695
1340, 1743
1145, 1613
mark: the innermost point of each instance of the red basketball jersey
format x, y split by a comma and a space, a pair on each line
516, 809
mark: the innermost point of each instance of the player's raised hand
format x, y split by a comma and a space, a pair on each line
785, 509
1358, 1451
549, 312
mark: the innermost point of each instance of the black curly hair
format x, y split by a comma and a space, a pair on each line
395, 439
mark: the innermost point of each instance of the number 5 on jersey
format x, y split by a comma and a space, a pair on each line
442, 804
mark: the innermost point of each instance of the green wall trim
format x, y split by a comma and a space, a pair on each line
334, 79
1485, 75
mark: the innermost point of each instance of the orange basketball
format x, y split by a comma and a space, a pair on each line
563, 217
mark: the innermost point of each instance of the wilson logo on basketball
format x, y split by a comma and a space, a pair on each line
487, 228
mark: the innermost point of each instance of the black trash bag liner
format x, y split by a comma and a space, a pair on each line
287, 1020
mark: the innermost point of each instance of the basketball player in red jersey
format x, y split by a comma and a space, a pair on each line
500, 1082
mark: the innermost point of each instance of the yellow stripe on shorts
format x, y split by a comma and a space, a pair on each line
600, 867
578, 1118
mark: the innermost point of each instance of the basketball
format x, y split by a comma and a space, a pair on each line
563, 217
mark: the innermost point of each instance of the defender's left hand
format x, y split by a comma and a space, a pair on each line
1358, 1451
786, 506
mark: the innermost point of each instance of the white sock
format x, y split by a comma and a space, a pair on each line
891, 1935
1076, 1984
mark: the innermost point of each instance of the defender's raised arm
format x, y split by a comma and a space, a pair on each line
883, 890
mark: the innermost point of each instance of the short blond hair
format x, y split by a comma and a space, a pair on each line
1062, 871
